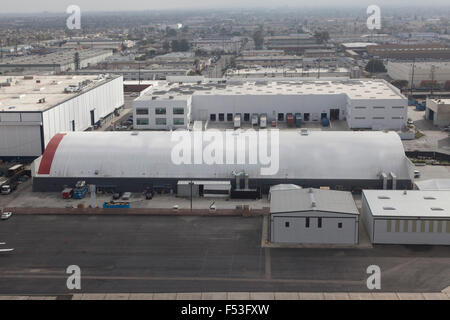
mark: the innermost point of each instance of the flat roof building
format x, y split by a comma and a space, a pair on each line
59, 61
370, 104
313, 216
438, 111
34, 108
407, 217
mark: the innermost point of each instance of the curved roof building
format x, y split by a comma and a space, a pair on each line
132, 160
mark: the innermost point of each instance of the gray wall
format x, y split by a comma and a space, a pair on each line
329, 233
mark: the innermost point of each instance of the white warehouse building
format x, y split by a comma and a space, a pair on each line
134, 161
34, 108
313, 216
364, 104
407, 217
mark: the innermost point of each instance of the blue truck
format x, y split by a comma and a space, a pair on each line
80, 190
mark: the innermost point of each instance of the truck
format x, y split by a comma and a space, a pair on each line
237, 120
254, 119
8, 186
263, 121
80, 190
290, 119
298, 119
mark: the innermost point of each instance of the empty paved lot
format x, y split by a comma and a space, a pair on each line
193, 254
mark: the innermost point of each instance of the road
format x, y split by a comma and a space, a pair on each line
192, 254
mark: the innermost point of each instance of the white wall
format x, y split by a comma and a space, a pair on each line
102, 99
152, 105
297, 232
269, 104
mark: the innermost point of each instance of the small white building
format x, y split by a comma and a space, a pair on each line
438, 111
313, 216
407, 217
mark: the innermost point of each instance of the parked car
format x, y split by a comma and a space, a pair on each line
416, 174
116, 195
6, 215
134, 94
148, 195
126, 196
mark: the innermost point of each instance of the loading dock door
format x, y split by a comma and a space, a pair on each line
334, 114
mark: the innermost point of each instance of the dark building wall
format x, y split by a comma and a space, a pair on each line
43, 184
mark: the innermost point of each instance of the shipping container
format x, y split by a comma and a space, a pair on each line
237, 120
254, 119
290, 119
263, 121
119, 205
298, 119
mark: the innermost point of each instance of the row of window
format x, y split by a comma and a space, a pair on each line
378, 118
159, 121
380, 107
307, 223
159, 111
417, 226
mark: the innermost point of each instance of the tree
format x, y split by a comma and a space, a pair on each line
401, 84
258, 38
322, 36
375, 66
166, 46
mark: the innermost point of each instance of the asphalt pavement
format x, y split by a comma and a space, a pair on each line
145, 254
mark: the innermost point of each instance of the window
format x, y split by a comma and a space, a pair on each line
229, 117
221, 117
160, 111
447, 228
307, 223
422, 226
178, 121
405, 226
414, 226
378, 118
439, 226
378, 107
142, 121
212, 117
161, 121
360, 107
178, 111
430, 226
360, 118
247, 117
281, 117
286, 224
388, 226
142, 111
397, 225
319, 222
340, 225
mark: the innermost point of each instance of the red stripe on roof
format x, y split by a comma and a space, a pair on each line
49, 153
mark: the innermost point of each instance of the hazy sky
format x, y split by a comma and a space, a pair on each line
27, 6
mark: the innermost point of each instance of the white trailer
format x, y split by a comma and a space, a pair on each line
263, 121
237, 121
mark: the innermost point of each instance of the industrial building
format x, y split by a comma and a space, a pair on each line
410, 51
288, 72
135, 161
407, 217
293, 43
425, 73
34, 108
59, 61
433, 184
313, 216
364, 104
438, 111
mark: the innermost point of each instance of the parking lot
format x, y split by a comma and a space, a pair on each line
196, 254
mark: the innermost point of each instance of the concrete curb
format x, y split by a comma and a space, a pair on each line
245, 296
137, 211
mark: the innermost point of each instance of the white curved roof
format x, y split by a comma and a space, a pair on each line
318, 155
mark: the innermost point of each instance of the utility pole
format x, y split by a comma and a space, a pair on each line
412, 77
432, 80
191, 184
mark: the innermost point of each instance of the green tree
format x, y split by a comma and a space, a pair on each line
375, 66
258, 38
